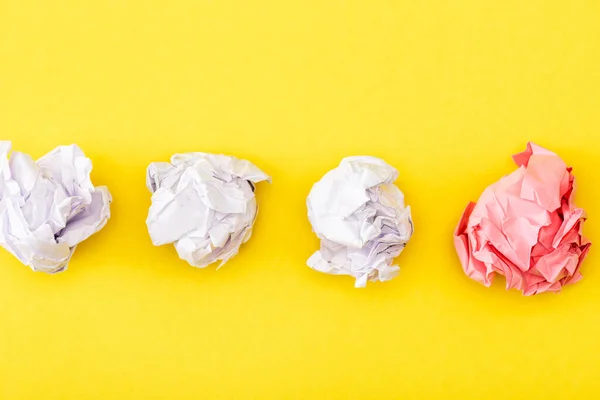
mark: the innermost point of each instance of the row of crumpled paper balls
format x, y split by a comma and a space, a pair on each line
524, 227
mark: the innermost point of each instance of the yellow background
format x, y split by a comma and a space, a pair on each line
444, 91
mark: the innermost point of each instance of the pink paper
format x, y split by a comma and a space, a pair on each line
525, 227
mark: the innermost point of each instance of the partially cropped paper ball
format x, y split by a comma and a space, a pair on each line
360, 217
48, 206
204, 204
525, 227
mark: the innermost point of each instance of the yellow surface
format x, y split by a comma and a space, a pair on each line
444, 91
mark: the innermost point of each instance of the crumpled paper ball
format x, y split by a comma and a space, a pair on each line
525, 227
360, 217
49, 206
204, 204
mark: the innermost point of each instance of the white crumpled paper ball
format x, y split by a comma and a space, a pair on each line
360, 217
49, 206
204, 204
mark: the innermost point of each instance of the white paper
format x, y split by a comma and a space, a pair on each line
48, 206
204, 204
360, 217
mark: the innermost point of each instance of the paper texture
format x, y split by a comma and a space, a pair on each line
204, 204
360, 217
48, 206
525, 227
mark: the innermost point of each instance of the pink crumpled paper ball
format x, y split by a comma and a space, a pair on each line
525, 227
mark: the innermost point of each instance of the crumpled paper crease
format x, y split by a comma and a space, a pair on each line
204, 204
525, 227
360, 217
48, 206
